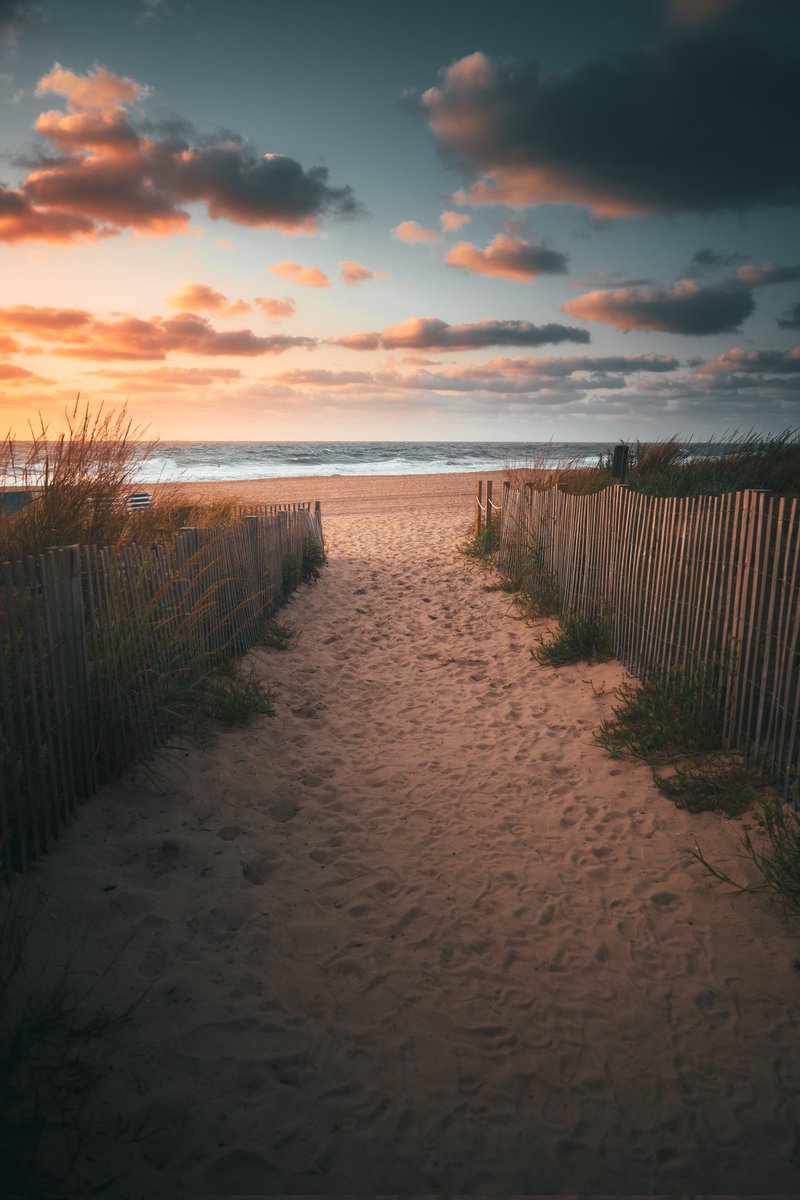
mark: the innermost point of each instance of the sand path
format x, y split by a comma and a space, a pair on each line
419, 934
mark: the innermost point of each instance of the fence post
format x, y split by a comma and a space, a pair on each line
478, 505
488, 502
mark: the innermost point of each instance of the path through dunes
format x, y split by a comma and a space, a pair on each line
419, 933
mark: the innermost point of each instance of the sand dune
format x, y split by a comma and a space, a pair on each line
418, 933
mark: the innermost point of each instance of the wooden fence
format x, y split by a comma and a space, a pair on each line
98, 646
697, 584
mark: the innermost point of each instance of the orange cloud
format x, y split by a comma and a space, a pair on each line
98, 89
353, 273
276, 310
302, 276
511, 258
109, 174
193, 296
75, 333
452, 221
410, 231
12, 374
169, 379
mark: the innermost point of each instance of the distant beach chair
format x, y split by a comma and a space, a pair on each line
138, 500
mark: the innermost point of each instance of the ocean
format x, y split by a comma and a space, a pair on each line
199, 462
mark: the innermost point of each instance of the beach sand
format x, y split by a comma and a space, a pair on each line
418, 933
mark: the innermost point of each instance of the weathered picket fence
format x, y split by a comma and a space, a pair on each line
696, 584
98, 646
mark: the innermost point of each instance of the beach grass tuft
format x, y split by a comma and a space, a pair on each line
775, 854
661, 717
717, 783
481, 545
277, 636
580, 638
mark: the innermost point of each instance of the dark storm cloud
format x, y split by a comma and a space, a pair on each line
685, 308
426, 333
695, 124
791, 318
111, 173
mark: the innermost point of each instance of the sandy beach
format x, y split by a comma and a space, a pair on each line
418, 934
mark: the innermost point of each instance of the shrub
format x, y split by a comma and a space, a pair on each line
661, 717
717, 784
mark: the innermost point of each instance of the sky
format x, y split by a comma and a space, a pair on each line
450, 220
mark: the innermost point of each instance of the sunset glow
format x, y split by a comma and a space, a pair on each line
259, 224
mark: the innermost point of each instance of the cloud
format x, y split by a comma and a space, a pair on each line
426, 333
112, 172
169, 379
410, 231
276, 310
688, 125
193, 296
451, 222
686, 308
512, 258
15, 17
767, 273
706, 261
75, 333
747, 362
791, 318
12, 374
501, 376
302, 276
22, 221
353, 273
692, 13
323, 378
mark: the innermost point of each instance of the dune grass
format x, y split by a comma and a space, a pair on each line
581, 637
659, 717
737, 462
480, 546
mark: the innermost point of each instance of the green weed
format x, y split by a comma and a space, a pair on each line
313, 560
275, 635
580, 638
776, 855
230, 698
290, 573
481, 546
716, 784
659, 718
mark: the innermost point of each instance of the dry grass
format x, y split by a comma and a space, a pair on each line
82, 477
